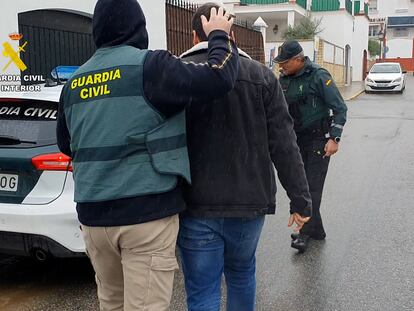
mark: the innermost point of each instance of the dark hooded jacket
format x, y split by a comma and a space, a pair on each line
169, 86
235, 142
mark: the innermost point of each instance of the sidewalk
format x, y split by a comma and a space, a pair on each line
352, 91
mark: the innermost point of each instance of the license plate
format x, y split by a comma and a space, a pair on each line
8, 182
383, 84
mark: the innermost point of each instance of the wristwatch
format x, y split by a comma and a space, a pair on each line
337, 139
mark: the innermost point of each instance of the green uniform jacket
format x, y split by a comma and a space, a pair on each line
314, 100
121, 146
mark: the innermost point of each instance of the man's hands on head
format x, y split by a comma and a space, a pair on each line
298, 220
218, 21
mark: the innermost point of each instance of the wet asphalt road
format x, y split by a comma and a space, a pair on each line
366, 262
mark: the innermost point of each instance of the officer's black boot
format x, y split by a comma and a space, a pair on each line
301, 243
315, 236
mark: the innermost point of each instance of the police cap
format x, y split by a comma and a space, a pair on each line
287, 50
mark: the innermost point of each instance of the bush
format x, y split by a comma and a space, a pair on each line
307, 28
374, 48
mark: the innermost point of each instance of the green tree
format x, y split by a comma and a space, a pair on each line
374, 47
307, 28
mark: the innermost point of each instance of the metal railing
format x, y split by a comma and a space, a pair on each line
259, 2
302, 3
325, 5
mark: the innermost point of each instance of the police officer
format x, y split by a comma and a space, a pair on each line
319, 113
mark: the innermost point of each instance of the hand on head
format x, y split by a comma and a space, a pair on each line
218, 21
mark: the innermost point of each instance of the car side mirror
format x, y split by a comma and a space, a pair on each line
404, 71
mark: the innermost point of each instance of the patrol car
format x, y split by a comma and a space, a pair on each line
37, 212
385, 77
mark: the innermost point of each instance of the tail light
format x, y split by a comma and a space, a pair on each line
52, 162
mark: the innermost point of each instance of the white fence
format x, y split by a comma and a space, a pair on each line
333, 54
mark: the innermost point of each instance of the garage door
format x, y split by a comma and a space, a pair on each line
55, 38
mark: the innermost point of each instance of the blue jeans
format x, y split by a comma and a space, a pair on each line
211, 246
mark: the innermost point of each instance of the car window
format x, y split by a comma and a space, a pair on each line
385, 69
27, 123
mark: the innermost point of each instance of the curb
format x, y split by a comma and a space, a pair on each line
355, 95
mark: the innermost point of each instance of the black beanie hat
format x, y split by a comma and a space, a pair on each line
119, 22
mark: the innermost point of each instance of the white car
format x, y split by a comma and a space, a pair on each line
37, 213
385, 77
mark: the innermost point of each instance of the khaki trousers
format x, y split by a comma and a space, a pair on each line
134, 265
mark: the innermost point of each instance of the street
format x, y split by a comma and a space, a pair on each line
366, 262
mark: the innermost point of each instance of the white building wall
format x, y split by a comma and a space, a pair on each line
397, 47
153, 10
337, 27
400, 48
359, 44
282, 25
387, 8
